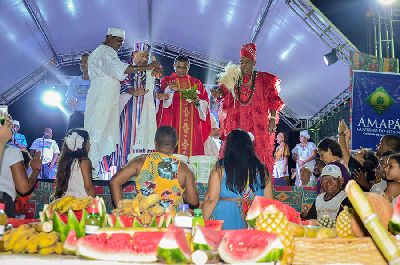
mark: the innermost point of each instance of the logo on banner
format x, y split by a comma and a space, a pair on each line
380, 100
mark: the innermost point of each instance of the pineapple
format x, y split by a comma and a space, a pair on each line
274, 221
326, 221
343, 223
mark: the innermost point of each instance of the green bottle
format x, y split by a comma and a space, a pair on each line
198, 220
93, 220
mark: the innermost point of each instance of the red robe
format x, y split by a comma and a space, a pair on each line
253, 117
184, 117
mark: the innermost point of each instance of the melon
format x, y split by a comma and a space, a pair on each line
260, 203
123, 247
123, 221
215, 225
249, 246
394, 223
381, 206
206, 239
70, 243
174, 247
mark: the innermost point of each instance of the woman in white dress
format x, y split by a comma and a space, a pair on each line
304, 154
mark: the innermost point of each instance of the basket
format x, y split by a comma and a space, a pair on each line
337, 251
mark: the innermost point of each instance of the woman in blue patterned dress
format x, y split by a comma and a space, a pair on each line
235, 181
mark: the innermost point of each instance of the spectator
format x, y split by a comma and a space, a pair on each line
235, 181
49, 150
13, 176
307, 179
388, 143
380, 174
5, 135
304, 154
393, 174
18, 140
74, 172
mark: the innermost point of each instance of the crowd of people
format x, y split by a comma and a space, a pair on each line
127, 109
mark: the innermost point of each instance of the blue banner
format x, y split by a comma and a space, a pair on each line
375, 107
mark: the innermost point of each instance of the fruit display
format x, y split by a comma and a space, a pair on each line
326, 221
142, 211
206, 239
174, 247
246, 246
25, 239
69, 213
260, 203
343, 223
124, 247
272, 220
394, 223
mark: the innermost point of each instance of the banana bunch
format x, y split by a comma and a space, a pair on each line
25, 239
62, 205
142, 207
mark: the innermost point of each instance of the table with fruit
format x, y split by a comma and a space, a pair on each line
141, 231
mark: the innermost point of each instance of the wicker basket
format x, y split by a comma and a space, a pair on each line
337, 251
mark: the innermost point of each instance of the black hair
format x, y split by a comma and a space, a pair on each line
371, 162
332, 145
182, 58
27, 158
241, 163
166, 136
392, 141
67, 157
396, 157
84, 55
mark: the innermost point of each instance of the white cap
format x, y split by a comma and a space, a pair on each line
15, 122
305, 134
116, 32
331, 170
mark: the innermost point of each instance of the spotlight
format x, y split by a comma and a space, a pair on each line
386, 2
51, 98
331, 58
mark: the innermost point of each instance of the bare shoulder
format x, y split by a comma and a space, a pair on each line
184, 167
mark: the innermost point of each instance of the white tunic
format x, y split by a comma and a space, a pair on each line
302, 154
106, 71
330, 207
76, 185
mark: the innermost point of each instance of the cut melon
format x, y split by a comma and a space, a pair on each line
249, 246
206, 239
69, 247
173, 247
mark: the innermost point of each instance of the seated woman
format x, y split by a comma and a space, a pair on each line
74, 172
159, 172
13, 177
235, 181
331, 201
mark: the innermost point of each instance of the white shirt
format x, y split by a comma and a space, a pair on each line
76, 185
303, 153
330, 207
48, 147
106, 71
379, 187
12, 155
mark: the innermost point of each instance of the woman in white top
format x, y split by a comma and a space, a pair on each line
74, 172
304, 154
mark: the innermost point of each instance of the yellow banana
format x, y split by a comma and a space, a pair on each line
156, 210
67, 205
47, 239
33, 242
63, 205
48, 250
59, 248
136, 206
14, 236
149, 201
22, 242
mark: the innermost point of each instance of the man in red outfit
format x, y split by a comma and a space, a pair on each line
250, 101
190, 116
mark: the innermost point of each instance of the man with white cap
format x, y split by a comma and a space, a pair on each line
106, 71
304, 154
18, 140
137, 109
331, 201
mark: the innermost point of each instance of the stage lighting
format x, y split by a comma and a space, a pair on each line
52, 98
331, 58
386, 2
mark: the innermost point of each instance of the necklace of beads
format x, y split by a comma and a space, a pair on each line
239, 89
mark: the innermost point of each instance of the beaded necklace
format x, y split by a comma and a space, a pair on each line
239, 90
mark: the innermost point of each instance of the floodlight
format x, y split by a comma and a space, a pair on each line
51, 98
386, 2
331, 58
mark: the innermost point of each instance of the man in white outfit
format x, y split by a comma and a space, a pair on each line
106, 71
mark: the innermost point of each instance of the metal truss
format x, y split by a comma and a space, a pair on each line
324, 29
338, 101
292, 119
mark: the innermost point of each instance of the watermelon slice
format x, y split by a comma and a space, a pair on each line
394, 223
215, 225
173, 247
69, 247
142, 247
248, 246
260, 203
206, 239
